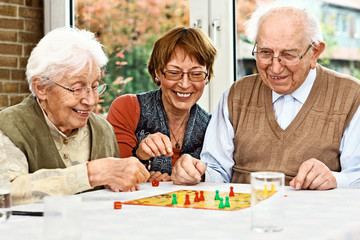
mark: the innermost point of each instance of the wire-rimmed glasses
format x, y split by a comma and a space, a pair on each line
176, 75
266, 56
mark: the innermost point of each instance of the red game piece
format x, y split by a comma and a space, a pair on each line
155, 183
201, 198
117, 205
187, 199
196, 199
231, 194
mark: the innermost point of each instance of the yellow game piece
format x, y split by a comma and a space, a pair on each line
272, 188
265, 190
180, 198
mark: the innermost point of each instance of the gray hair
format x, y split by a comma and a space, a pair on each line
312, 31
64, 50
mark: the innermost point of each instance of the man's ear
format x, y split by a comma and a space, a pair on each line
318, 48
39, 88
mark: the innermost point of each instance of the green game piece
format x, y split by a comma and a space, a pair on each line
221, 204
174, 201
217, 197
227, 202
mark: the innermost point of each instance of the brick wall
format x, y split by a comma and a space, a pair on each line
21, 27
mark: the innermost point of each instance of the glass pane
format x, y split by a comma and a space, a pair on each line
128, 30
342, 52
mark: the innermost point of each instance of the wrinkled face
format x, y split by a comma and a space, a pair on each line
66, 110
181, 95
284, 37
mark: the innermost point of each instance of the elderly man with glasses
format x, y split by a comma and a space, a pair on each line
295, 116
52, 143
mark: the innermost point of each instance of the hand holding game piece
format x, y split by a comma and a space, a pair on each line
123, 174
231, 194
187, 170
155, 183
154, 145
163, 177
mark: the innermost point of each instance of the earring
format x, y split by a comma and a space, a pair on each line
156, 79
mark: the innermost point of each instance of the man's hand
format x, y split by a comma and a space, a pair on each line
187, 170
314, 175
162, 177
154, 145
118, 174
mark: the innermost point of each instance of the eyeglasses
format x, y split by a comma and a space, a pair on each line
265, 56
175, 75
98, 90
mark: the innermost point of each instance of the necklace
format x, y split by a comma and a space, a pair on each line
177, 144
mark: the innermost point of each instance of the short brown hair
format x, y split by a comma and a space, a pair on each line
192, 40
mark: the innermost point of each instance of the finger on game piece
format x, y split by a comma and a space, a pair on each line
231, 194
201, 198
196, 199
227, 202
155, 183
117, 205
174, 201
187, 199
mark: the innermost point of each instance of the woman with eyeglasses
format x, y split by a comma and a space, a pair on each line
162, 126
52, 143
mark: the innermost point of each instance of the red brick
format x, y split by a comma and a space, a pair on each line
34, 26
31, 13
10, 87
24, 87
19, 2
29, 37
17, 74
34, 3
9, 11
28, 48
23, 62
10, 49
8, 36
8, 61
4, 74
4, 102
7, 23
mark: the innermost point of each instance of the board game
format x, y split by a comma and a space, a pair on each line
237, 201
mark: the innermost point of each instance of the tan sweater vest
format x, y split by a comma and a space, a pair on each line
316, 132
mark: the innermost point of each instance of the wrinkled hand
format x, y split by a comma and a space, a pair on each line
118, 174
187, 170
154, 145
315, 175
162, 177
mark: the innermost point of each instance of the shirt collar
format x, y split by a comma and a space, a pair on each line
55, 132
302, 93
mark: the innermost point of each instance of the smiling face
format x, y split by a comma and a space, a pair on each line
66, 110
179, 96
281, 37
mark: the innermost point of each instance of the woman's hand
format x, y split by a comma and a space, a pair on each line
154, 145
162, 177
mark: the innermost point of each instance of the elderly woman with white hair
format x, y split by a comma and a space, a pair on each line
52, 143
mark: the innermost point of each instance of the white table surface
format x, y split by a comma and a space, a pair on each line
333, 214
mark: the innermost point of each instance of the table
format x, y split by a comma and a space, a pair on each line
332, 214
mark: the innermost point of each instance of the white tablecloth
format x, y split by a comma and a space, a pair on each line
333, 214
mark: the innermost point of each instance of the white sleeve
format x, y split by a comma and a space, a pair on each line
218, 147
